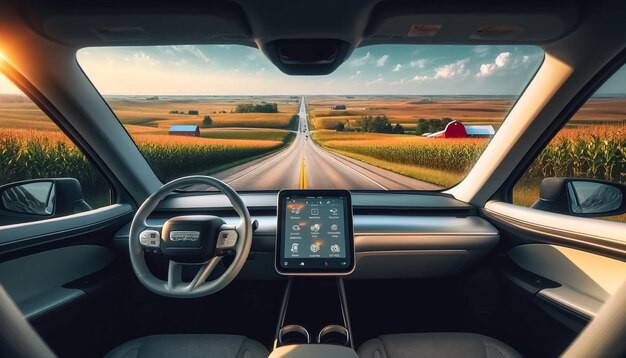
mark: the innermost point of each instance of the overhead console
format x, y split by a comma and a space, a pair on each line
314, 234
470, 22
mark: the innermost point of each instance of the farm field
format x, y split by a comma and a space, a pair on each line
407, 110
42, 150
469, 110
142, 115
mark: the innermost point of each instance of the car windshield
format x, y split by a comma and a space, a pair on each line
392, 117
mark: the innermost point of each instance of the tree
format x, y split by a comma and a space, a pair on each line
398, 129
192, 112
421, 127
257, 108
431, 125
340, 127
207, 121
378, 124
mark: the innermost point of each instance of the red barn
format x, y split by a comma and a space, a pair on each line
185, 130
456, 129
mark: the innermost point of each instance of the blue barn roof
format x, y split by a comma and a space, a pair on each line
183, 128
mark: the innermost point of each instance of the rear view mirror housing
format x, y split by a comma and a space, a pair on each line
581, 197
39, 199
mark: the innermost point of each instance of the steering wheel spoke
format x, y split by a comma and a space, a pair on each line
205, 272
175, 275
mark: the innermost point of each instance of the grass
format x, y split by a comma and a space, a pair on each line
451, 155
138, 111
442, 178
246, 133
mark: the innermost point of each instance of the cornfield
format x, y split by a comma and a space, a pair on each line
453, 155
31, 154
595, 151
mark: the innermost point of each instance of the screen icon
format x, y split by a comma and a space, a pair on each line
334, 227
315, 247
335, 248
315, 212
295, 211
334, 211
294, 248
315, 228
295, 228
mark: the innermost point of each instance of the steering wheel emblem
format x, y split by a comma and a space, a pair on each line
184, 236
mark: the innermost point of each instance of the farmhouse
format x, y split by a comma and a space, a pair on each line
456, 129
185, 130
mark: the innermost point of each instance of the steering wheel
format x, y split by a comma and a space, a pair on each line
190, 240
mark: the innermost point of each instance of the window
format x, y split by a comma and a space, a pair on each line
43, 174
395, 117
592, 145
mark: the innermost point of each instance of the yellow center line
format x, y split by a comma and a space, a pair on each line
302, 174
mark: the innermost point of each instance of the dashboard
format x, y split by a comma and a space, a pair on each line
396, 235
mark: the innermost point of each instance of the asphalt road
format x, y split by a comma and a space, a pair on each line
306, 165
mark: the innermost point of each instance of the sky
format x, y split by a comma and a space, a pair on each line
372, 70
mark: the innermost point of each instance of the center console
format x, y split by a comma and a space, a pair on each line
315, 247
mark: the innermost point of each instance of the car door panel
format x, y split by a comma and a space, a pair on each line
67, 279
557, 272
586, 280
36, 282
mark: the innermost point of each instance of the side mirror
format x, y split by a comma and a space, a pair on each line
581, 197
38, 199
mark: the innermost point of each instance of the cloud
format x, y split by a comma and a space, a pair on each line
360, 61
420, 63
144, 59
501, 61
194, 50
261, 71
397, 68
452, 70
382, 60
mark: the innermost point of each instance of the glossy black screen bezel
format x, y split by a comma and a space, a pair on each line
349, 234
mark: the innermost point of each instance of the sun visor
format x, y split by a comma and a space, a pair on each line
118, 26
470, 22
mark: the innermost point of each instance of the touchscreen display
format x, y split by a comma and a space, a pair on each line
315, 232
